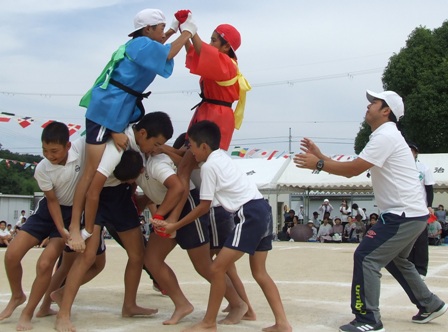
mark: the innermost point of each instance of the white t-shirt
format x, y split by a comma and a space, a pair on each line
360, 212
394, 175
158, 168
425, 176
5, 232
111, 158
345, 212
223, 180
62, 178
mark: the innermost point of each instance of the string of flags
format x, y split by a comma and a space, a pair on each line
25, 165
240, 152
27, 121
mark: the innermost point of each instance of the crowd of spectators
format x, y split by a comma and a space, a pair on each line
9, 231
349, 224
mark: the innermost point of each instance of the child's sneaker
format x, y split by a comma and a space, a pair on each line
425, 317
355, 326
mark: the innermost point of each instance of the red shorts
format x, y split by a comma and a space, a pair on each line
222, 116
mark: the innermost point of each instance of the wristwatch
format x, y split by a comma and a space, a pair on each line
320, 165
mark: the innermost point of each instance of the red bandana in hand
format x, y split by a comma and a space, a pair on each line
182, 15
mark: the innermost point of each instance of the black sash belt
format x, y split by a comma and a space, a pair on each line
136, 94
211, 101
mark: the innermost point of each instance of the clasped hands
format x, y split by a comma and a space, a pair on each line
163, 228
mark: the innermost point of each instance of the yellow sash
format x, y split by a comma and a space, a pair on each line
244, 87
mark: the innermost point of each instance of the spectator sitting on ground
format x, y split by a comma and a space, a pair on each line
295, 221
440, 213
348, 230
327, 216
19, 224
337, 230
359, 229
323, 235
290, 217
316, 220
5, 235
373, 219
313, 238
284, 234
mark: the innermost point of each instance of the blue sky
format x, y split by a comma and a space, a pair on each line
309, 62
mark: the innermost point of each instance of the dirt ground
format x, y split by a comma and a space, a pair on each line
313, 279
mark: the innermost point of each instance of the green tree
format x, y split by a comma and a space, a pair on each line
362, 137
419, 73
14, 177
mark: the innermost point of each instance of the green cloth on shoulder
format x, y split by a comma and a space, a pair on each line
105, 75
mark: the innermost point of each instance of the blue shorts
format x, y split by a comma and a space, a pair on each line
41, 224
117, 208
222, 224
95, 133
195, 234
253, 230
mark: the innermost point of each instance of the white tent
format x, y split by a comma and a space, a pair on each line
265, 173
304, 179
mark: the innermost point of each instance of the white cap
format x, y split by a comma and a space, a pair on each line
147, 17
326, 200
392, 99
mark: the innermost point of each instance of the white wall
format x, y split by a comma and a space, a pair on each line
11, 205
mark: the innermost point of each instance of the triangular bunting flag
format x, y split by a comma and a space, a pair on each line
272, 154
252, 152
5, 117
263, 154
236, 151
47, 123
73, 128
25, 122
243, 152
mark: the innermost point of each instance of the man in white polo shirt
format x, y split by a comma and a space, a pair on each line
403, 215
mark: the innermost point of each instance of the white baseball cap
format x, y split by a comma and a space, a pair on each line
392, 99
326, 200
147, 17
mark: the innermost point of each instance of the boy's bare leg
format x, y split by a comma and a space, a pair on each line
15, 252
74, 279
217, 289
270, 290
56, 281
44, 269
54, 292
93, 158
239, 288
241, 291
157, 250
93, 271
135, 249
